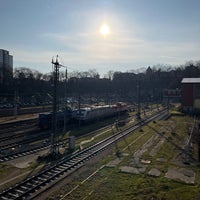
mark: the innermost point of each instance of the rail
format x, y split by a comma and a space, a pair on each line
32, 186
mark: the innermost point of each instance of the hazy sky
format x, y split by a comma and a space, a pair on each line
142, 33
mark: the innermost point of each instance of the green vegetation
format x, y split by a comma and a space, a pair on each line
111, 183
176, 112
9, 172
4, 170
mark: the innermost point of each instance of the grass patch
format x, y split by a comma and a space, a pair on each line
5, 169
176, 113
112, 184
8, 172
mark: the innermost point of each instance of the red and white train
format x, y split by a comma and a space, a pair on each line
99, 112
83, 115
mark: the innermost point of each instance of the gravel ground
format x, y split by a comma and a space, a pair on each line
182, 174
68, 183
26, 161
20, 170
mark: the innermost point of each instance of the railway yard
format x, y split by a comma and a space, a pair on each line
99, 100
154, 157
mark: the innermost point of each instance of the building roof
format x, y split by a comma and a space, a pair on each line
190, 80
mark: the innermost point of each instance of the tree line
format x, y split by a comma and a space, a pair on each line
114, 86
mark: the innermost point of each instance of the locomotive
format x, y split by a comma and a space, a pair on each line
45, 119
82, 115
99, 112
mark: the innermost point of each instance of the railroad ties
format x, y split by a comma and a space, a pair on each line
32, 186
27, 152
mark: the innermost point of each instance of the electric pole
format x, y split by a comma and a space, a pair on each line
54, 121
138, 99
65, 102
15, 103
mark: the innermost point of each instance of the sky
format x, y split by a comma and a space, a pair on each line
142, 33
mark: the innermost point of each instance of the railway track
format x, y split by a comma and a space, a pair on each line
34, 185
16, 129
31, 150
16, 136
18, 149
15, 146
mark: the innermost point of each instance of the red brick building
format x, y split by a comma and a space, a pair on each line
190, 95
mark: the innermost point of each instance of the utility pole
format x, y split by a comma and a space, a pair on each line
138, 99
168, 101
65, 100
54, 121
79, 109
15, 103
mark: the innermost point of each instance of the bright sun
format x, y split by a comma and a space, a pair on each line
104, 29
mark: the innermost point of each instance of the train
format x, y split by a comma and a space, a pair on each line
82, 115
45, 119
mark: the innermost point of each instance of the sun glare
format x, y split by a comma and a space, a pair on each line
104, 29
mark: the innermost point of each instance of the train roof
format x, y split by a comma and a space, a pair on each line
190, 80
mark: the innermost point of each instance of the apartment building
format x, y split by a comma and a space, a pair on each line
6, 67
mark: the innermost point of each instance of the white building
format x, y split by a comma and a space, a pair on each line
6, 66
